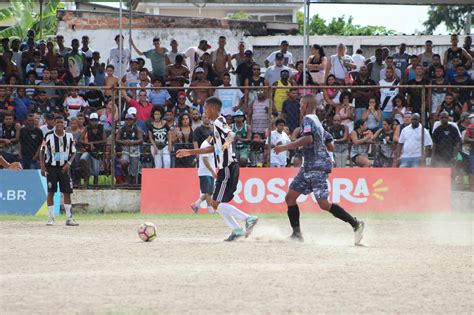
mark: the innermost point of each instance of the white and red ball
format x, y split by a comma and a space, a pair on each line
147, 231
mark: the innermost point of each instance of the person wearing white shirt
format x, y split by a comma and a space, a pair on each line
231, 100
340, 64
359, 59
194, 53
74, 104
279, 137
206, 173
409, 145
114, 58
287, 56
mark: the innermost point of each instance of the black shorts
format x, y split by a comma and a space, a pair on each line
55, 176
226, 183
206, 184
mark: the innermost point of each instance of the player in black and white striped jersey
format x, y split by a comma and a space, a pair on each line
228, 174
57, 154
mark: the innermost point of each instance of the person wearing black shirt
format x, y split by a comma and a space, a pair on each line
414, 94
202, 132
362, 96
31, 138
446, 141
95, 98
244, 70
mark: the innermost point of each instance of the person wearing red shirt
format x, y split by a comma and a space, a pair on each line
142, 106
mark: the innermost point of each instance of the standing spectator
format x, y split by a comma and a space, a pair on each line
372, 115
36, 66
131, 77
414, 95
232, 99
361, 139
451, 107
98, 69
456, 52
389, 63
385, 145
198, 97
468, 106
94, 139
287, 56
316, 63
10, 138
206, 64
174, 51
64, 75
255, 80
436, 62
221, 59
401, 60
340, 134
42, 105
7, 66
257, 148
376, 66
110, 81
74, 103
426, 58
387, 94
362, 96
297, 78
76, 62
469, 140
62, 50
446, 143
177, 74
243, 136
49, 125
409, 145
359, 59
291, 110
51, 58
114, 57
16, 57
195, 53
340, 64
273, 73
411, 69
462, 78
345, 110
240, 56
94, 98
30, 36
129, 138
202, 132
438, 94
88, 59
27, 56
195, 119
31, 139
182, 138
244, 70
159, 97
53, 95
180, 107
22, 105
158, 57
280, 95
278, 137
257, 113
142, 106
158, 133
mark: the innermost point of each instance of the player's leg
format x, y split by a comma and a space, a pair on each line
85, 170
297, 187
52, 182
65, 186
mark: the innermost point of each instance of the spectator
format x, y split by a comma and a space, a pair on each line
64, 75
456, 52
372, 115
243, 136
375, 67
257, 113
120, 66
110, 81
144, 81
401, 60
468, 106
426, 58
411, 69
240, 56
280, 95
195, 53
177, 74
298, 77
388, 94
129, 138
182, 138
159, 133
221, 59
16, 57
76, 63
206, 65
279, 137
287, 56
51, 58
62, 50
158, 57
42, 105
340, 65
74, 103
7, 66
451, 107
195, 119
316, 63
361, 96
446, 143
438, 94
462, 78
131, 77
399, 108
27, 56
87, 51
409, 151
345, 110
36, 66
94, 98
22, 105
436, 62
202, 132
197, 97
332, 95
244, 71
10, 138
385, 144
389, 63
257, 147
49, 125
359, 59
174, 51
98, 69
469, 140
158, 96
414, 95
291, 110
31, 139
93, 139
180, 107
53, 95
361, 139
142, 106
255, 80
232, 99
340, 134
273, 73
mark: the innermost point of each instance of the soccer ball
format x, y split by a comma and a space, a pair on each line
147, 232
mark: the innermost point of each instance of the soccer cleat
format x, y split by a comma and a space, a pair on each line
195, 209
237, 233
211, 211
50, 222
359, 232
71, 222
250, 223
297, 237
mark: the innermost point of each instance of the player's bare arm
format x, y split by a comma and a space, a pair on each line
188, 152
295, 144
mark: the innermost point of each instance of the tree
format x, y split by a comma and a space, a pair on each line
339, 26
26, 14
241, 15
454, 17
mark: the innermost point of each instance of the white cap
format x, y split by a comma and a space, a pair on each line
94, 116
199, 70
132, 111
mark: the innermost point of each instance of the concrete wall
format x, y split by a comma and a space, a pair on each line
107, 201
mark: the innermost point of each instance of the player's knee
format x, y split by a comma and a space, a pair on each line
290, 200
214, 204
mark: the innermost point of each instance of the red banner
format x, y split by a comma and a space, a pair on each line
263, 190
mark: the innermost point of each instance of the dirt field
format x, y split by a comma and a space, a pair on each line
407, 266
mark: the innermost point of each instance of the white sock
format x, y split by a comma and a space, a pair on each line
51, 212
232, 211
68, 211
210, 209
229, 220
198, 202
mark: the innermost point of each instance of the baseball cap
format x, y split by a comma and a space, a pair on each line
279, 55
132, 111
248, 53
133, 61
284, 42
94, 116
238, 113
128, 116
199, 70
204, 41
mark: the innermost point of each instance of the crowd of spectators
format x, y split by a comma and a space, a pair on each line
378, 127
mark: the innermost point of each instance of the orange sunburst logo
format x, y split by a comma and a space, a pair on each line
377, 191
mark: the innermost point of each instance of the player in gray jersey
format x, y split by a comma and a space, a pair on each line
313, 175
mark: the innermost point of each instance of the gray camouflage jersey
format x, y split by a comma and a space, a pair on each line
316, 155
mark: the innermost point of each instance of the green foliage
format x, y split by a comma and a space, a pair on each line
26, 15
241, 15
340, 26
454, 17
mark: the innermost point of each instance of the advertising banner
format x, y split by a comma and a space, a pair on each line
24, 193
262, 190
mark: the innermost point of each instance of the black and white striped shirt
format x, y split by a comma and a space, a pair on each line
225, 157
58, 150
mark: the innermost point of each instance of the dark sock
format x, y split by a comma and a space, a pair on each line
294, 216
340, 213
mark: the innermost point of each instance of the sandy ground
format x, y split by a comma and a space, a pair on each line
407, 266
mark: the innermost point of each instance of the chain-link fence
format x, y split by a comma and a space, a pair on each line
120, 131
